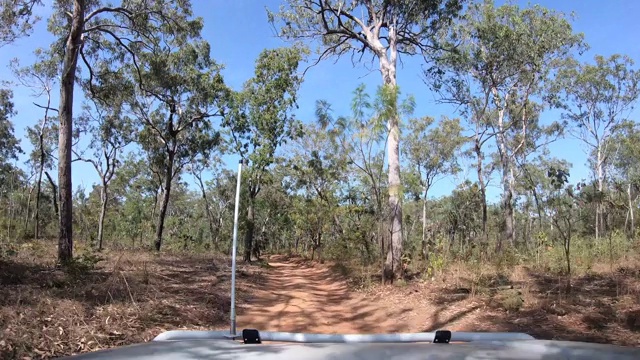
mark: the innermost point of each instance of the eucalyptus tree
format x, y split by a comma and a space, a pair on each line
182, 92
134, 190
564, 203
11, 177
432, 153
9, 144
41, 78
624, 153
386, 29
504, 57
197, 168
596, 98
320, 171
16, 19
462, 212
102, 37
362, 138
262, 119
110, 130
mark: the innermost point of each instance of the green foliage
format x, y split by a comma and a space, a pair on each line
340, 28
191, 91
511, 300
261, 118
83, 264
321, 189
16, 19
433, 152
9, 145
595, 99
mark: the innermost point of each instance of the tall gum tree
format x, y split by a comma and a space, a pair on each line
362, 139
182, 92
41, 78
208, 163
319, 169
110, 130
93, 31
261, 120
504, 57
432, 153
9, 144
625, 152
386, 29
16, 19
595, 99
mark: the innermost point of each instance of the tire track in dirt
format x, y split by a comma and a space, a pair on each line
304, 297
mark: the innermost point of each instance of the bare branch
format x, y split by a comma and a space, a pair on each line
119, 10
45, 107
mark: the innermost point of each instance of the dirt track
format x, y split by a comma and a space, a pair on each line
298, 296
134, 296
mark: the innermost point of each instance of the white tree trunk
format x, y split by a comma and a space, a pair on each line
393, 266
600, 175
425, 245
632, 229
507, 193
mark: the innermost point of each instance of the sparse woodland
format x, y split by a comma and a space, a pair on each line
353, 189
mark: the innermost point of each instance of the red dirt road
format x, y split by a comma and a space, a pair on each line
299, 296
304, 297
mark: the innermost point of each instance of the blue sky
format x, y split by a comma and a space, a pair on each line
238, 30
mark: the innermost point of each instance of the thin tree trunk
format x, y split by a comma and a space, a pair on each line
104, 198
212, 232
512, 216
383, 247
248, 236
26, 218
54, 197
69, 65
36, 215
165, 202
538, 206
597, 224
156, 195
507, 203
567, 248
42, 159
10, 206
483, 187
425, 245
600, 174
220, 222
632, 231
529, 231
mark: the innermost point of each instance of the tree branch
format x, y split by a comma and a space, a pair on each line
119, 10
45, 107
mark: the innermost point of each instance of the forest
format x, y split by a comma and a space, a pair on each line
340, 186
132, 91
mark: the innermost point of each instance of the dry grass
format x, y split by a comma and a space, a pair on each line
599, 306
129, 297
132, 296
